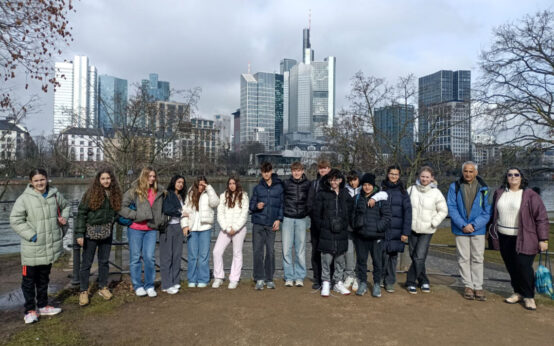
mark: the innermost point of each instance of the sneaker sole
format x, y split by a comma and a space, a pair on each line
50, 314
412, 292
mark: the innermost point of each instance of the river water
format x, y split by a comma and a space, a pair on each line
75, 192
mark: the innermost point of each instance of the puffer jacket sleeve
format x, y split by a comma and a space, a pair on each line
386, 216
380, 196
254, 201
455, 216
213, 199
318, 211
64, 205
442, 209
81, 220
484, 217
221, 217
540, 215
281, 215
18, 220
241, 220
407, 215
187, 208
128, 199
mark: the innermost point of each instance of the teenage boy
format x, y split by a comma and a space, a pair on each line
266, 206
323, 168
296, 187
370, 221
353, 187
332, 216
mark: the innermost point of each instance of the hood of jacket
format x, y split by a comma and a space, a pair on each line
353, 191
432, 185
327, 185
31, 191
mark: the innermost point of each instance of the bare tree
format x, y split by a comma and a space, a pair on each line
32, 32
517, 84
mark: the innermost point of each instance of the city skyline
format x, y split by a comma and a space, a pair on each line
213, 52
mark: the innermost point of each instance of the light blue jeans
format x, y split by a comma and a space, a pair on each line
294, 233
198, 246
142, 243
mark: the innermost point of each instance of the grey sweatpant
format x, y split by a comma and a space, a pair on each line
326, 261
171, 250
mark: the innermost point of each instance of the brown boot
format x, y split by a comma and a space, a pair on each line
83, 298
480, 295
468, 293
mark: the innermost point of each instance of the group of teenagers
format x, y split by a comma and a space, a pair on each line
349, 217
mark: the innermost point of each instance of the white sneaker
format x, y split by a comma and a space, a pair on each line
348, 282
299, 283
151, 292
31, 317
178, 286
202, 285
192, 285
289, 283
325, 289
355, 285
140, 292
233, 285
217, 283
49, 311
171, 290
339, 288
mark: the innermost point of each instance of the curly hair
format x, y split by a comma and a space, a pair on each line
232, 197
142, 186
96, 193
524, 182
194, 192
171, 186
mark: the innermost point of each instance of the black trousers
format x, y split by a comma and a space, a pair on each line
104, 247
365, 246
519, 266
263, 238
316, 254
35, 286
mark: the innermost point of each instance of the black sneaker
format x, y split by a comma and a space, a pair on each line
412, 289
316, 286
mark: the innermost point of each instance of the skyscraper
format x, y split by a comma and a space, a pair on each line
260, 107
112, 102
75, 103
394, 129
287, 64
445, 112
156, 89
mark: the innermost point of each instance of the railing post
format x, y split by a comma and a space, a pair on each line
118, 256
76, 260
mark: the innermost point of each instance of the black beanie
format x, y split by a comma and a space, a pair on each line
368, 178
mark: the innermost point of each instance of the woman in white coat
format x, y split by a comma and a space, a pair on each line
428, 210
232, 214
198, 224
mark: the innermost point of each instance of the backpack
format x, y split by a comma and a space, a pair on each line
543, 277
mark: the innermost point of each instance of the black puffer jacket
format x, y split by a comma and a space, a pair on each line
296, 197
371, 222
329, 205
401, 222
316, 186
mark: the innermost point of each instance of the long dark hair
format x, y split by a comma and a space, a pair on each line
95, 194
194, 193
232, 197
40, 171
399, 183
171, 186
524, 181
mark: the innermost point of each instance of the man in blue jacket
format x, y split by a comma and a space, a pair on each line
470, 209
266, 206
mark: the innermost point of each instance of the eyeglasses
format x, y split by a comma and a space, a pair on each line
513, 175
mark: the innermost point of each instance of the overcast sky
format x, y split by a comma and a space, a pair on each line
210, 43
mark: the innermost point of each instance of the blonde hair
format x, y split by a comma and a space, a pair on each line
142, 187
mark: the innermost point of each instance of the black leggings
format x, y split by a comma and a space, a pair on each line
519, 266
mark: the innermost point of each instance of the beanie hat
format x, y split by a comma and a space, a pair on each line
368, 178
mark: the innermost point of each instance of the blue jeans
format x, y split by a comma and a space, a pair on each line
198, 246
294, 233
142, 243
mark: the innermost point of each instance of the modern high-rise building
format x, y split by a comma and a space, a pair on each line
75, 103
223, 124
156, 89
394, 129
310, 100
287, 64
261, 106
112, 102
236, 130
445, 112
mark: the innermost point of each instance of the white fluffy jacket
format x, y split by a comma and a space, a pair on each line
232, 217
428, 207
208, 201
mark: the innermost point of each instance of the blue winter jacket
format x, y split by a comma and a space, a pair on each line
273, 199
480, 210
401, 223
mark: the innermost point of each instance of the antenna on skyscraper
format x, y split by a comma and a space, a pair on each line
249, 67
310, 19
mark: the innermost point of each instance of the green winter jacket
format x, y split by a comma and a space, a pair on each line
103, 215
31, 215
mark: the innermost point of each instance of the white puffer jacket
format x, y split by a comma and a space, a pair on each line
208, 201
428, 207
232, 217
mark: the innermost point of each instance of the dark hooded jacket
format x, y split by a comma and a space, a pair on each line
329, 206
401, 221
272, 197
296, 197
371, 223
